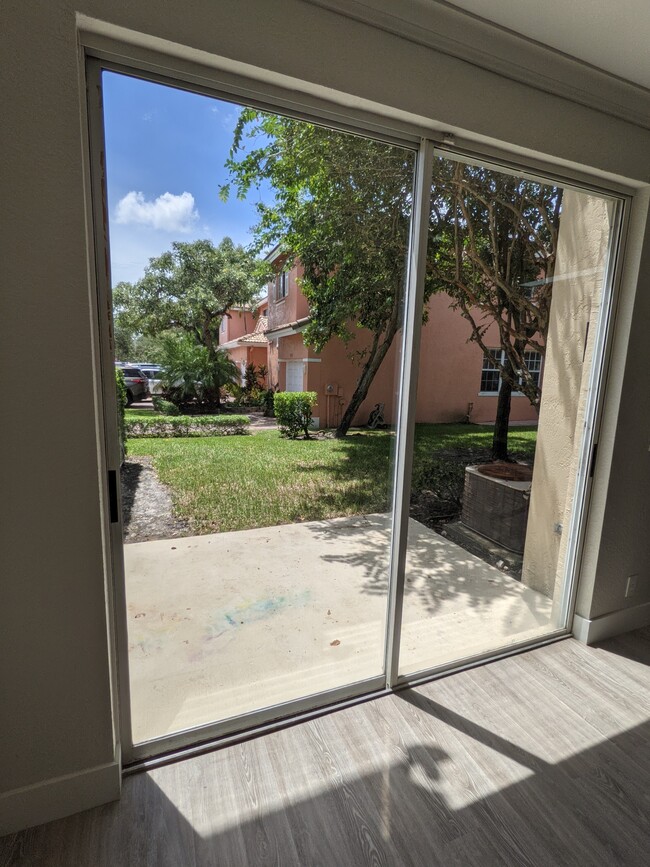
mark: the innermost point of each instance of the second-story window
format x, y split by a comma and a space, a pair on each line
281, 285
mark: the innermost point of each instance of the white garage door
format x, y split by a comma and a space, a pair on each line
294, 375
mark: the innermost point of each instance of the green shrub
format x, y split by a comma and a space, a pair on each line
293, 412
253, 398
267, 403
188, 426
120, 387
190, 374
250, 377
164, 407
442, 475
262, 375
233, 389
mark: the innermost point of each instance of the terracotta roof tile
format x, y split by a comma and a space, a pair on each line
257, 336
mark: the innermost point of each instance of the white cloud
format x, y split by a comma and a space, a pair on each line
228, 122
168, 212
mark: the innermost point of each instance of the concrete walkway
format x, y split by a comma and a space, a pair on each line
224, 624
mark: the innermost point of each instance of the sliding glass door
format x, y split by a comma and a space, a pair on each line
257, 528
361, 380
515, 297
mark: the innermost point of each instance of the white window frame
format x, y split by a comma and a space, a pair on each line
500, 354
281, 284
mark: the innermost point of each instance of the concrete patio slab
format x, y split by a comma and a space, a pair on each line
223, 624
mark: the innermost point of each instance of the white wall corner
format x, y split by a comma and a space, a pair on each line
609, 625
53, 799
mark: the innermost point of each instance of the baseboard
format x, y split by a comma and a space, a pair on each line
609, 625
62, 796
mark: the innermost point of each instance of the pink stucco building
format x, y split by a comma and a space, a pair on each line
242, 334
454, 378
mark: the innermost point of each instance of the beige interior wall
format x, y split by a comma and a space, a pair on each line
583, 243
55, 714
618, 544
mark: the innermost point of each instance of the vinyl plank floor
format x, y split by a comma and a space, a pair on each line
536, 760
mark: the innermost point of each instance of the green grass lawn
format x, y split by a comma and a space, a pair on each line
130, 414
239, 482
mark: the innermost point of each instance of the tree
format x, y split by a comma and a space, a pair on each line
342, 207
191, 373
189, 289
495, 256
133, 346
123, 340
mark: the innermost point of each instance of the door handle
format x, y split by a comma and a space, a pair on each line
112, 497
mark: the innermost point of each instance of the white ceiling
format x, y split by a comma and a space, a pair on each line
613, 35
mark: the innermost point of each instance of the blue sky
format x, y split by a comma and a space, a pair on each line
165, 153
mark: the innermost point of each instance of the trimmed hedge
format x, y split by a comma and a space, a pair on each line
293, 412
164, 407
120, 388
188, 426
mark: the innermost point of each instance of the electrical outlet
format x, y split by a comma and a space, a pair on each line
630, 587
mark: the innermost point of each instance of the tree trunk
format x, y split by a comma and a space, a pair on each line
370, 368
502, 422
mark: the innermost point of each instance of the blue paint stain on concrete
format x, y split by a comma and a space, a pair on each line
251, 612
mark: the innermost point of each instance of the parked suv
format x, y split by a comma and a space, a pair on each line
137, 384
152, 372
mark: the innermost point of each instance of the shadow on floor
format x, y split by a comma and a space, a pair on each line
631, 645
586, 810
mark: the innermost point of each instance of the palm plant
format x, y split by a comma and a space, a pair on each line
192, 374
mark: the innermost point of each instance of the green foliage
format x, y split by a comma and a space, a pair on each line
188, 426
242, 397
495, 254
131, 413
342, 206
191, 373
189, 288
120, 388
164, 407
253, 398
293, 412
267, 403
231, 483
254, 381
123, 338
132, 346
250, 377
444, 477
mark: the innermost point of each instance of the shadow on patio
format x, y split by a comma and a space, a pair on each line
227, 623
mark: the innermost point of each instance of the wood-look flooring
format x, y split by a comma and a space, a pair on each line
538, 760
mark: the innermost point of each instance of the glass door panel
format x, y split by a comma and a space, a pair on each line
515, 282
256, 564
